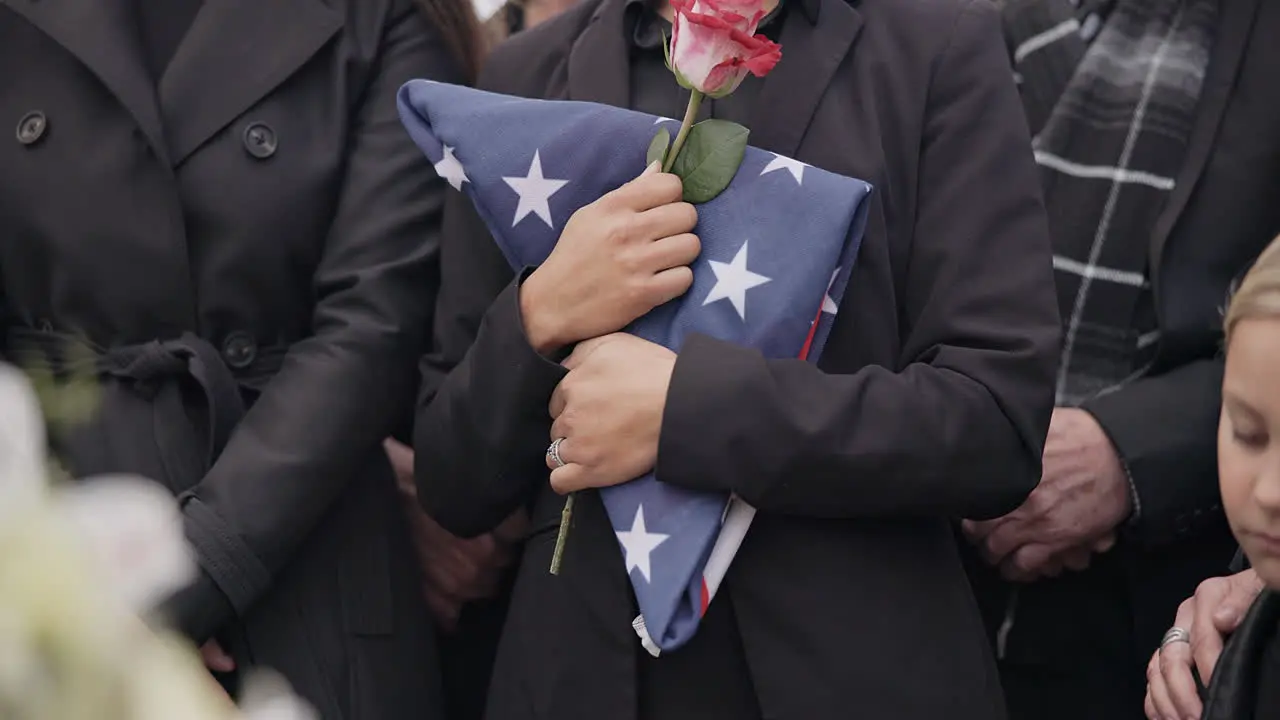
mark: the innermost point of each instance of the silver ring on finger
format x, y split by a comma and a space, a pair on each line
1175, 635
553, 452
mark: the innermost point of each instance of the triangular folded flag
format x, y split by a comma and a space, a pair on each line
778, 247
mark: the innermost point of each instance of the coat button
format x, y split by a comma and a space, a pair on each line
260, 140
32, 127
239, 350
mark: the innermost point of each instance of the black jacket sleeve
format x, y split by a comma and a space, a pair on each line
957, 430
482, 425
339, 392
1172, 462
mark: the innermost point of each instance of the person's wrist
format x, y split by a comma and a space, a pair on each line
540, 326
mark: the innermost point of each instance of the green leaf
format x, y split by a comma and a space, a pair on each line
658, 147
710, 158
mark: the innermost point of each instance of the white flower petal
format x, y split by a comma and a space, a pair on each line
133, 532
22, 444
267, 696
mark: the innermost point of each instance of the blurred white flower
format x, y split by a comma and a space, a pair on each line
267, 696
133, 532
22, 445
78, 565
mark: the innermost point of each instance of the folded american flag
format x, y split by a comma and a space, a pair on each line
778, 247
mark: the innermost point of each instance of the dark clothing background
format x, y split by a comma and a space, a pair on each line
233, 220
848, 595
1246, 680
161, 26
1219, 218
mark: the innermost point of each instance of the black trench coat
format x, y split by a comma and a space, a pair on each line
249, 251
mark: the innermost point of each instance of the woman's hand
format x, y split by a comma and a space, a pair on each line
617, 259
1212, 614
607, 412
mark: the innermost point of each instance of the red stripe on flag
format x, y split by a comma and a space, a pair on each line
813, 329
706, 598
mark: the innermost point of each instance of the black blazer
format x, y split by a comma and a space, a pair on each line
932, 401
258, 231
1221, 215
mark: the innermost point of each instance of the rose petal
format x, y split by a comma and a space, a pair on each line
712, 48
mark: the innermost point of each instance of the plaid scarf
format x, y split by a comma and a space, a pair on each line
1110, 89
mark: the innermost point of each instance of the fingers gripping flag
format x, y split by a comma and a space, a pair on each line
778, 247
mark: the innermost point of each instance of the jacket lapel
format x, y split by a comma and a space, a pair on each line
1235, 26
599, 66
236, 52
811, 55
102, 34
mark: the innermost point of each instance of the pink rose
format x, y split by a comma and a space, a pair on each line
713, 45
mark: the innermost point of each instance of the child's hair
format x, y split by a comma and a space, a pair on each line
1259, 293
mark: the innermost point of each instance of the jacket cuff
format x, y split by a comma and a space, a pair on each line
235, 573
199, 610
511, 360
698, 388
1172, 495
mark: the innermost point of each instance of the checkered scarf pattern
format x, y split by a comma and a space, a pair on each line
1110, 89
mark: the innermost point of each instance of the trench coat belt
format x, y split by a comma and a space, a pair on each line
146, 366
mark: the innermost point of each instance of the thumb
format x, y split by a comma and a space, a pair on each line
1236, 603
654, 168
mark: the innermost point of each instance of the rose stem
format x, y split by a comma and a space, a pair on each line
565, 516
690, 114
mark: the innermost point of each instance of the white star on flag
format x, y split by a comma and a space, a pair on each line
535, 191
639, 543
450, 169
733, 280
795, 167
828, 305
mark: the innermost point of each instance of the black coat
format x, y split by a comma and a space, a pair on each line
1243, 669
932, 401
1221, 215
250, 251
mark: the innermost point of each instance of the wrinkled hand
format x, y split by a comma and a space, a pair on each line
455, 570
1213, 613
609, 409
617, 259
1082, 497
1042, 561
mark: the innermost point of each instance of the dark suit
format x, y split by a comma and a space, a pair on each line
1221, 215
933, 399
247, 249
